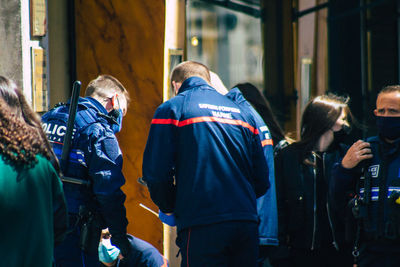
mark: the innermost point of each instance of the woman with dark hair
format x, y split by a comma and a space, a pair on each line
308, 227
262, 106
32, 202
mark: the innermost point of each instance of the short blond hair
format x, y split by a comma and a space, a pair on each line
390, 89
189, 69
105, 84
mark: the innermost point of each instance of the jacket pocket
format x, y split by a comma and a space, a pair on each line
296, 212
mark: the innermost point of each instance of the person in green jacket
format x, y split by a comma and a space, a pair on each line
32, 204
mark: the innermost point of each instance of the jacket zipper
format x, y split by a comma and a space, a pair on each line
335, 244
315, 202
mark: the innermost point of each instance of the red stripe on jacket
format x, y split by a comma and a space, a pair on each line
205, 119
165, 121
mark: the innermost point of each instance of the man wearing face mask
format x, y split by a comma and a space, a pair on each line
374, 166
96, 201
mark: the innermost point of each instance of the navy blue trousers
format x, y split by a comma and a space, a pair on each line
231, 243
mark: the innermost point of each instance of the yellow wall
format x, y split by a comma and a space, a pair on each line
174, 39
126, 39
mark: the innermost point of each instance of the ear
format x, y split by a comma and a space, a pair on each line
174, 85
114, 100
376, 112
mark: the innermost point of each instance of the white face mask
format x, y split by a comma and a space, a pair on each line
107, 252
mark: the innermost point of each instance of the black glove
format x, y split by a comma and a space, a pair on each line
121, 241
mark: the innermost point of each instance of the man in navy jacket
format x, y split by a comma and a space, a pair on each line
377, 206
204, 165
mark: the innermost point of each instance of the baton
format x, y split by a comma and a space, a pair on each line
68, 135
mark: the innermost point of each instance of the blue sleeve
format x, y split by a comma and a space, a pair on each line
260, 167
267, 204
343, 180
159, 156
105, 171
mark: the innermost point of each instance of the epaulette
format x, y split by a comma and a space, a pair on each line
59, 104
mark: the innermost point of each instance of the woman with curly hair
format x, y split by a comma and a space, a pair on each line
32, 202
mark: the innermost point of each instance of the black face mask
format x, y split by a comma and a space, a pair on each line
341, 135
116, 115
388, 127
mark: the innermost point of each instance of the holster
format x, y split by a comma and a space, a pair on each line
351, 217
91, 225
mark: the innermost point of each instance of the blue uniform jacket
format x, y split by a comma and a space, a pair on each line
384, 166
143, 255
266, 205
212, 148
95, 156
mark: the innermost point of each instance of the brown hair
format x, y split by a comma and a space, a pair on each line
21, 135
319, 116
188, 69
390, 89
105, 84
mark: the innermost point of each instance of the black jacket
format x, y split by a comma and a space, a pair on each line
305, 218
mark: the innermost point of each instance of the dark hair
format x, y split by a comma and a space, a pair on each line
188, 69
21, 134
262, 106
319, 116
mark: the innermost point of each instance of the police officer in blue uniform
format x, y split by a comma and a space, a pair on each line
204, 164
96, 160
374, 166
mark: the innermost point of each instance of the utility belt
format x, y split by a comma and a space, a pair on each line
386, 229
73, 180
90, 223
88, 220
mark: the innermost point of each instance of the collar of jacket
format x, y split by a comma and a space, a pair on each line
236, 95
389, 148
192, 82
100, 110
97, 105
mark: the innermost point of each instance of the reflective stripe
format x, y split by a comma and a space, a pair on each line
205, 119
267, 142
375, 192
75, 156
165, 121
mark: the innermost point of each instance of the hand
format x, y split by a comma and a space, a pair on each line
358, 152
123, 244
167, 218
